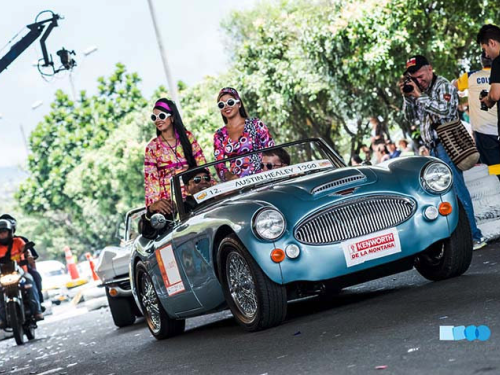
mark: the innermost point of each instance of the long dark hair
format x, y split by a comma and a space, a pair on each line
179, 128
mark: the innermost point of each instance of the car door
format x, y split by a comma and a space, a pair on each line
169, 277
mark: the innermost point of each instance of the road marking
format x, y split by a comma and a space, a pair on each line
51, 371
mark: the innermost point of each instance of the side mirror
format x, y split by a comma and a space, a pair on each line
158, 221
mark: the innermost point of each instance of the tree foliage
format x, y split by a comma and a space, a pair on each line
68, 189
323, 67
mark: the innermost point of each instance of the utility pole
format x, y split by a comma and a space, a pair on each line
24, 140
172, 87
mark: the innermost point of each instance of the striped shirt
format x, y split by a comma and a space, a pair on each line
437, 105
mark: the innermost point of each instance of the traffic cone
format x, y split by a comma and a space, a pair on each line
70, 262
92, 266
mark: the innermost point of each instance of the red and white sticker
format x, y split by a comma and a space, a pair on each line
372, 246
169, 270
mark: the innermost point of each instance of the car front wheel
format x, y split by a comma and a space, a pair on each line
159, 323
256, 302
450, 257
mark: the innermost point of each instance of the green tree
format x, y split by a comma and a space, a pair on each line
324, 67
65, 140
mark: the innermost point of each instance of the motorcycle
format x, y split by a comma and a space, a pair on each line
19, 316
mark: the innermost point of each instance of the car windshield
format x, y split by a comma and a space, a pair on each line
266, 167
133, 225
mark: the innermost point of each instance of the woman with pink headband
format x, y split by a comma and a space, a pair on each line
172, 151
239, 136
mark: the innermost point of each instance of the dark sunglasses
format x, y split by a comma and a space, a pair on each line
197, 179
160, 116
229, 103
270, 166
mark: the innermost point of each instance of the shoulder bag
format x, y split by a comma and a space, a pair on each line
458, 144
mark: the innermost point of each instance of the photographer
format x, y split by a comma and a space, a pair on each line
489, 39
430, 100
484, 122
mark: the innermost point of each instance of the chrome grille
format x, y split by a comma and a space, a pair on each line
354, 218
338, 183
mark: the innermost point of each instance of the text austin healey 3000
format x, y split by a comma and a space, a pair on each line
256, 242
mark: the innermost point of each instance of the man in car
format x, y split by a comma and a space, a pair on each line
276, 158
12, 248
195, 181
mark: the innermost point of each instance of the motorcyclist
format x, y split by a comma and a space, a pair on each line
13, 247
31, 255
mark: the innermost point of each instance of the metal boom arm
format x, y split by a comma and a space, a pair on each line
36, 30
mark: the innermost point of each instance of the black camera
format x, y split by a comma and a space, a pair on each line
406, 87
483, 94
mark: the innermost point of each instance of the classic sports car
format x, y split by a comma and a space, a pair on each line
112, 269
314, 225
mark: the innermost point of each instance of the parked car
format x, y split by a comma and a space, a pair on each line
55, 280
112, 268
254, 243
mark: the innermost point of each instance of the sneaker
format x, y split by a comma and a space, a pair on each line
478, 244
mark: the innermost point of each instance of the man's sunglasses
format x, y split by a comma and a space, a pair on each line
197, 179
160, 116
229, 103
270, 166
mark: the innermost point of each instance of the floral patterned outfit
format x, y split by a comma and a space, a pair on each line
163, 161
255, 137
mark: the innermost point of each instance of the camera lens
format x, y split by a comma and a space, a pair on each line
407, 88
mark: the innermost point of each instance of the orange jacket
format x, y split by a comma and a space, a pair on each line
17, 251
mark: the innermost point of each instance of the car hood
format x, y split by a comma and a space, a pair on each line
296, 198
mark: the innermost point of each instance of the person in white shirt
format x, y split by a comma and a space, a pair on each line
483, 120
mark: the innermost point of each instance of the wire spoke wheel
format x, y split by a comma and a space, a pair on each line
160, 324
241, 285
150, 303
255, 300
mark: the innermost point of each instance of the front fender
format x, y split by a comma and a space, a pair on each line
239, 217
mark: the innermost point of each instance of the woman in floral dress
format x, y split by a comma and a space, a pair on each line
172, 151
239, 136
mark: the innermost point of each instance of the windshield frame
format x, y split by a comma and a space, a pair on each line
176, 191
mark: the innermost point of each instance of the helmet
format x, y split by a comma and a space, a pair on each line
6, 225
12, 221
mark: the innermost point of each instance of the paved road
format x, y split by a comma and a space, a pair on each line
393, 322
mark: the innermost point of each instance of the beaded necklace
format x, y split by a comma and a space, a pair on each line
174, 150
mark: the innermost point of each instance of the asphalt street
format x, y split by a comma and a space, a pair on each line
388, 326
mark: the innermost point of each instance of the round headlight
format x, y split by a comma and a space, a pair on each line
437, 177
269, 224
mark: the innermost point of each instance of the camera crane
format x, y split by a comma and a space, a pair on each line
35, 30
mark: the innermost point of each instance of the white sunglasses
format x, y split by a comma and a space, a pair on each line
229, 103
160, 116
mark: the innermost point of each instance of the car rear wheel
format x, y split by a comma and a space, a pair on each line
256, 302
121, 309
450, 257
159, 323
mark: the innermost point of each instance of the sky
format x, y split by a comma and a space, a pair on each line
123, 32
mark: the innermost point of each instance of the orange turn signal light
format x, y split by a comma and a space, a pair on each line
277, 255
445, 208
113, 292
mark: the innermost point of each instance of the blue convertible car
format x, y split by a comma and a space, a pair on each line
305, 226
